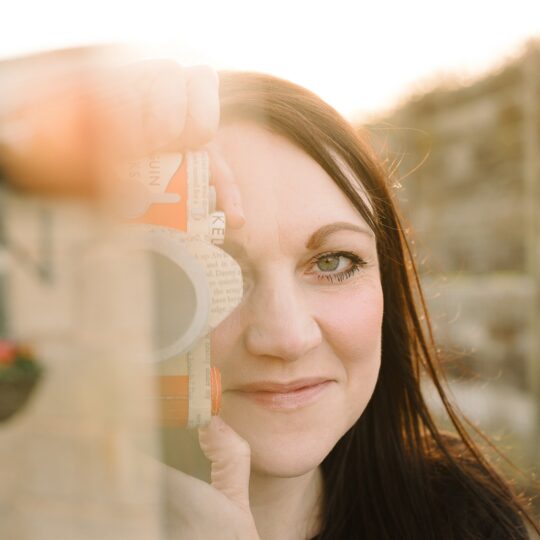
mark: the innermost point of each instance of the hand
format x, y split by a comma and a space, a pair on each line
67, 119
197, 510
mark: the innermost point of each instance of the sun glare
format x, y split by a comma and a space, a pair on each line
360, 59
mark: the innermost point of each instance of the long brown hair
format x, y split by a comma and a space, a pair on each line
394, 474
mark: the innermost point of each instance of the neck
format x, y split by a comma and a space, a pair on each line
286, 508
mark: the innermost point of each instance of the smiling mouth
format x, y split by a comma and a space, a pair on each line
278, 396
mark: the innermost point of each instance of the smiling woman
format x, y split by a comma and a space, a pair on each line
324, 430
321, 362
301, 354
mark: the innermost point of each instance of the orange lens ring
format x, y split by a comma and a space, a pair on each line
215, 384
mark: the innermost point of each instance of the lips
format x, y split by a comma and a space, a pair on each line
289, 395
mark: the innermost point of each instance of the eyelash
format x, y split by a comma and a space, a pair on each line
356, 264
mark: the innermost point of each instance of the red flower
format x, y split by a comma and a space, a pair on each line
7, 353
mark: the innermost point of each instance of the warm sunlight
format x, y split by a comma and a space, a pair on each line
359, 58
228, 311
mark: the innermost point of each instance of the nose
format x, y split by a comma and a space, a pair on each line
280, 322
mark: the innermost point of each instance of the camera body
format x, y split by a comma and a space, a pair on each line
145, 283
196, 284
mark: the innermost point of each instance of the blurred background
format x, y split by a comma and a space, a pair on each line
451, 95
465, 162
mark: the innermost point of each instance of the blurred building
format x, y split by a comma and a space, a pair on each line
465, 162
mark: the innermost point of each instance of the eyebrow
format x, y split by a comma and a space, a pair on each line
316, 240
319, 236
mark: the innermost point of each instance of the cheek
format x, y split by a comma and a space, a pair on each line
352, 320
224, 340
352, 326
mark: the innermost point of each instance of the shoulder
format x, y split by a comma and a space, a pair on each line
472, 498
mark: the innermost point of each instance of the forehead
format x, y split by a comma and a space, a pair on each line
281, 185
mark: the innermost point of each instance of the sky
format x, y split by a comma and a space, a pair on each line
361, 57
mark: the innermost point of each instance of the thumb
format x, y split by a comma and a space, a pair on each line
231, 461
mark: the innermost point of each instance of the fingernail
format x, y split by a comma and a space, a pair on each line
237, 202
218, 423
241, 219
215, 422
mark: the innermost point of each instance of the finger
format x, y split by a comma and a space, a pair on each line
168, 104
227, 191
231, 461
46, 143
146, 107
194, 509
202, 115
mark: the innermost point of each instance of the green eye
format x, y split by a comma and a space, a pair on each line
337, 266
329, 263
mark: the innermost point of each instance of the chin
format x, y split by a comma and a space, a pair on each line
284, 446
286, 462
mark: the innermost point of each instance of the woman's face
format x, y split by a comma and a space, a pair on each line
299, 357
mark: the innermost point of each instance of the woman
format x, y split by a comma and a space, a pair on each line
332, 305
322, 360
